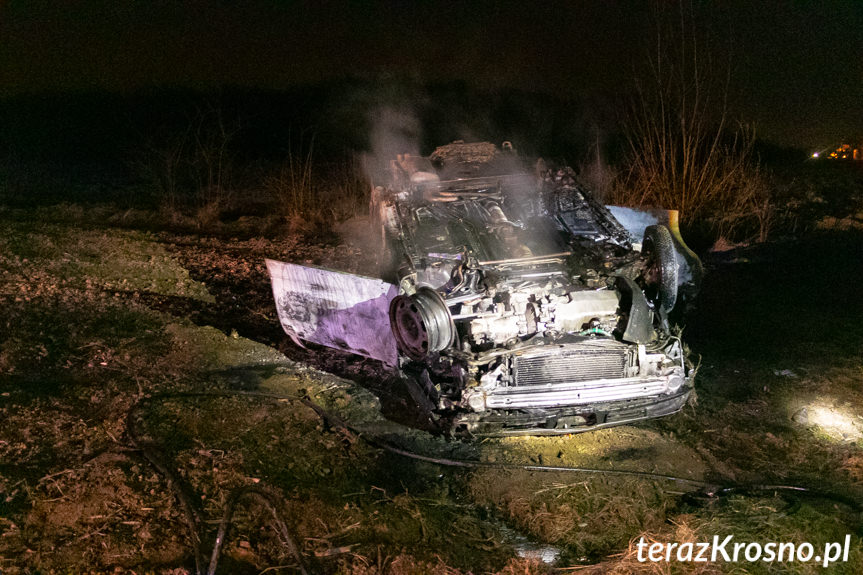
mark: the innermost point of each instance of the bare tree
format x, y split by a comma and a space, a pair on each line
684, 150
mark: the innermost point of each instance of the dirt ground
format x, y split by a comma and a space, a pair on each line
105, 327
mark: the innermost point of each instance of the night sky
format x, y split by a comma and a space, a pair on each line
797, 66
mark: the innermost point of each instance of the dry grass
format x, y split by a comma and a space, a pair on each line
627, 563
404, 564
78, 344
313, 197
586, 517
747, 519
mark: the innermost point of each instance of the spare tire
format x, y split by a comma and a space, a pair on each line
660, 271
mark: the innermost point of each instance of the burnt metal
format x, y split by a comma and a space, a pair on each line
637, 323
523, 302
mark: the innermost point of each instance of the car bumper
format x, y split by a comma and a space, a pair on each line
563, 395
572, 419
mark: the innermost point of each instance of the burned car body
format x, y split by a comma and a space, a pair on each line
523, 305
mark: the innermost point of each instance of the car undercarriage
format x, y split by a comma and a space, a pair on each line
519, 304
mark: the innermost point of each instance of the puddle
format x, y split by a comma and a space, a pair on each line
525, 547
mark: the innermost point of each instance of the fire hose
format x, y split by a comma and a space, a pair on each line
272, 500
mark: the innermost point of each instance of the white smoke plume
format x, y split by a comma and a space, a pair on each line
395, 130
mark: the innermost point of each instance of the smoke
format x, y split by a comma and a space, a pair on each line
395, 129
406, 115
635, 221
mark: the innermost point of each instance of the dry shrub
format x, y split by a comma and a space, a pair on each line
313, 197
207, 216
745, 211
725, 192
683, 151
192, 168
600, 176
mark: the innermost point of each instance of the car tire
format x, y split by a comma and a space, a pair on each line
661, 267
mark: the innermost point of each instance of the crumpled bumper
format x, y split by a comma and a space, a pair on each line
572, 419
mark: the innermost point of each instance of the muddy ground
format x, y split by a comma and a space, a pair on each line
98, 315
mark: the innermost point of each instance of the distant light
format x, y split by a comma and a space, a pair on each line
815, 155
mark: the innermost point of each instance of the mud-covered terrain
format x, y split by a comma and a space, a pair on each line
118, 346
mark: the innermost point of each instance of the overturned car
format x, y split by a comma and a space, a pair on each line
511, 302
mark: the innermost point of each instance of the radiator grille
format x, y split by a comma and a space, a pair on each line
571, 365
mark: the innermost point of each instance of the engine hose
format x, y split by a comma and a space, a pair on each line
595, 330
269, 497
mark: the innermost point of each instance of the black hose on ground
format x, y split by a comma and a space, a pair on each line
707, 488
192, 515
267, 496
